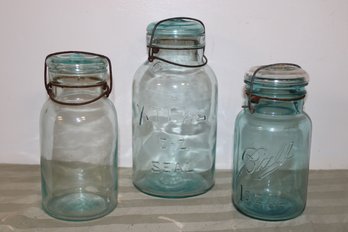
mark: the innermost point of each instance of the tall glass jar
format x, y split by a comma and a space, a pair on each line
272, 144
78, 132
174, 112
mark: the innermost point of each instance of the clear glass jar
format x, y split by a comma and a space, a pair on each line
78, 132
174, 112
272, 144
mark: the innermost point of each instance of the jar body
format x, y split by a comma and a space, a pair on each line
174, 129
78, 158
271, 160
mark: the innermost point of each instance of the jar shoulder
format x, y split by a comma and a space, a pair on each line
103, 108
154, 72
247, 120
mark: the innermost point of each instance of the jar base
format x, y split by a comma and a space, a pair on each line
79, 206
173, 185
282, 209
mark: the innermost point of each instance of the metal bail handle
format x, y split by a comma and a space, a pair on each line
107, 88
153, 49
250, 93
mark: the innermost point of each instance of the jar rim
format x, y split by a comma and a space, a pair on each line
177, 27
280, 75
76, 63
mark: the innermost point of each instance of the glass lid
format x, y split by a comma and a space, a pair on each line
177, 27
76, 63
277, 75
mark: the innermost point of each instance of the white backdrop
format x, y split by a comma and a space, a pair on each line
239, 34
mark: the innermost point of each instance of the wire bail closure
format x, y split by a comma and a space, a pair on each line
254, 98
106, 88
153, 49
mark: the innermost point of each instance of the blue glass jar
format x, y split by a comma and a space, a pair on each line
174, 112
78, 136
272, 144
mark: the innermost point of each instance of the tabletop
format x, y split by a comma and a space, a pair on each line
20, 210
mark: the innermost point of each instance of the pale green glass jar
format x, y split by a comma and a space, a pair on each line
174, 112
272, 144
78, 135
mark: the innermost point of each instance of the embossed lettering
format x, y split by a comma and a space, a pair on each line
260, 162
178, 168
159, 167
172, 144
166, 167
155, 167
170, 114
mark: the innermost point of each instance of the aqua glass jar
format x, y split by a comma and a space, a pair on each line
174, 112
78, 135
272, 144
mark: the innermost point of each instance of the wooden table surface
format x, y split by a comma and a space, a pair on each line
326, 211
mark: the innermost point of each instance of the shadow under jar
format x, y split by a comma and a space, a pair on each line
272, 144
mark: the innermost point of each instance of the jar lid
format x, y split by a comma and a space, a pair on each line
277, 75
76, 63
177, 27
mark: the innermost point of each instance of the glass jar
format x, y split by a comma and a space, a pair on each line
272, 144
78, 132
174, 112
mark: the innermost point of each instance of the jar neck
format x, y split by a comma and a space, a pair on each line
77, 89
186, 51
274, 107
276, 101
185, 57
76, 95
